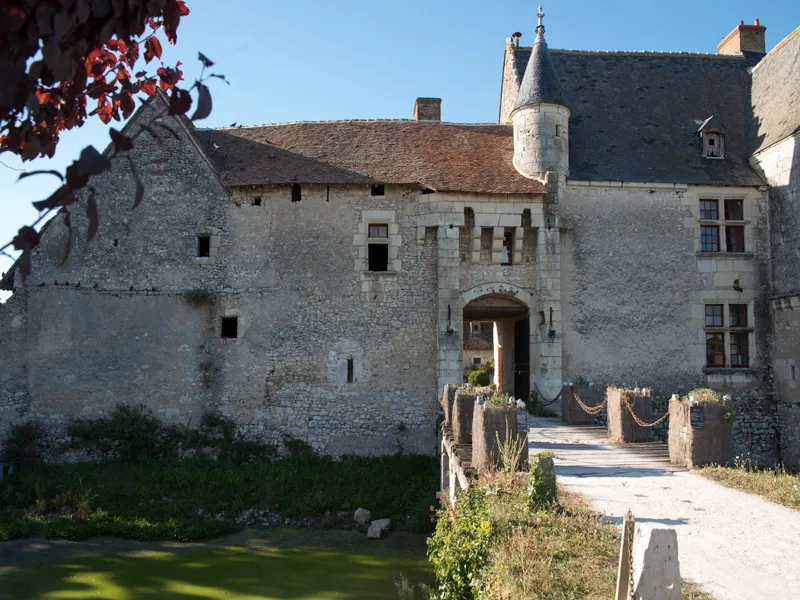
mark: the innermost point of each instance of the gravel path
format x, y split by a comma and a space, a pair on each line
734, 545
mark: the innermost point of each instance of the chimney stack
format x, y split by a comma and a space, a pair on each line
744, 38
428, 109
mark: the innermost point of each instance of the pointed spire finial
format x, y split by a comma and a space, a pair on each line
540, 14
540, 26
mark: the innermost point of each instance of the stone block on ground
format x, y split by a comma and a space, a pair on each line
621, 425
488, 424
790, 435
705, 439
378, 527
362, 516
462, 417
656, 569
571, 412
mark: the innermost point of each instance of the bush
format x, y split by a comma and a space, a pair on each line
479, 378
22, 442
535, 406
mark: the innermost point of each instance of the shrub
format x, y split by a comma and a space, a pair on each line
132, 432
22, 442
535, 406
479, 378
541, 489
458, 547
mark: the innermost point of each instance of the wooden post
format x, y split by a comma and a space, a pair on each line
624, 570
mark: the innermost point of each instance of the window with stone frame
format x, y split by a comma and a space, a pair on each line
722, 230
378, 247
731, 334
507, 257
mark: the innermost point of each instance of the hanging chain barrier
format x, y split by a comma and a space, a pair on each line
595, 410
592, 410
639, 422
632, 523
536, 387
625, 585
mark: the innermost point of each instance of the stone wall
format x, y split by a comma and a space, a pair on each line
135, 315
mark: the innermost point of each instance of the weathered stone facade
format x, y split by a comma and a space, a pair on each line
581, 243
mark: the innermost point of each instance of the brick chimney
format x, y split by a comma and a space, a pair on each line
428, 109
744, 38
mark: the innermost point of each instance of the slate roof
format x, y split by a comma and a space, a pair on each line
476, 343
776, 93
540, 82
635, 115
440, 156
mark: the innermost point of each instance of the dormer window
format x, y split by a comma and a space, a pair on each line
713, 136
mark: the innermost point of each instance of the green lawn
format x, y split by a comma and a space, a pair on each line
273, 565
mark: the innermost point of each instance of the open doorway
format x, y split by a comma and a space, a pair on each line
508, 321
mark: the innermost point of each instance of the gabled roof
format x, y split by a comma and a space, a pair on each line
439, 156
540, 82
711, 124
634, 115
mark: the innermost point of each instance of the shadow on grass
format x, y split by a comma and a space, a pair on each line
277, 565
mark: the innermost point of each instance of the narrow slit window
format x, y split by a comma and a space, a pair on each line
378, 189
295, 192
203, 246
350, 364
507, 256
230, 327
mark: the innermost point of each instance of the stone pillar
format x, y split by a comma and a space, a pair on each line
547, 327
656, 570
497, 244
475, 249
449, 306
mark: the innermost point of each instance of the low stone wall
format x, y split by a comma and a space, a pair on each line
463, 407
790, 435
571, 412
705, 439
490, 423
621, 426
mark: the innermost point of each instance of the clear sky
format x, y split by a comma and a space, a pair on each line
300, 60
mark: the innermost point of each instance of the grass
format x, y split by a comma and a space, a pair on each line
778, 485
279, 565
199, 498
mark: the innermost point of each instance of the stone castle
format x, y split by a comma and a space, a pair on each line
631, 217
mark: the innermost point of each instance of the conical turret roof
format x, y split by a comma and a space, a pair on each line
540, 82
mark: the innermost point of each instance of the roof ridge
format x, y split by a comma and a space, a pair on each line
674, 53
776, 49
281, 124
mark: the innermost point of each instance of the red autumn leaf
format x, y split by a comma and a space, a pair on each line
180, 102
183, 8
75, 178
203, 103
207, 62
148, 86
26, 238
121, 141
152, 49
172, 17
91, 162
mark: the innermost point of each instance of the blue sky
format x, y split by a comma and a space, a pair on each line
318, 59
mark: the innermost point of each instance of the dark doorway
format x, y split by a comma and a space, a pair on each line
522, 359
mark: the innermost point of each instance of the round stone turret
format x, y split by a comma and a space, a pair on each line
540, 118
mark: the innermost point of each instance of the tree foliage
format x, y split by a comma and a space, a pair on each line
62, 61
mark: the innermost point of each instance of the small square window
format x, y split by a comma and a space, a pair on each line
738, 315
296, 192
230, 327
380, 232
378, 189
734, 238
507, 257
715, 349
739, 351
257, 201
203, 246
709, 209
734, 211
378, 257
709, 238
475, 327
714, 315
476, 361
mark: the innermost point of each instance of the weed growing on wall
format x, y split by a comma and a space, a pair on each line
22, 442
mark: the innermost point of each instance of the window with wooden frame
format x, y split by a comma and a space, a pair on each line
732, 334
378, 247
722, 225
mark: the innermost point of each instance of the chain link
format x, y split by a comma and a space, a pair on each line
536, 387
592, 410
632, 526
639, 422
